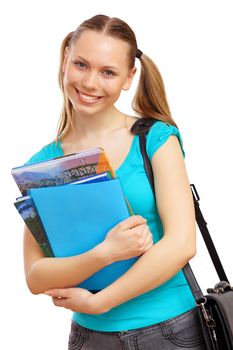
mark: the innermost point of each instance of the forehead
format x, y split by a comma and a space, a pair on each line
100, 49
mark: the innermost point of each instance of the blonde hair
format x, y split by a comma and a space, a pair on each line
150, 98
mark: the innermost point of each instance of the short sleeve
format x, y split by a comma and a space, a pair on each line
158, 135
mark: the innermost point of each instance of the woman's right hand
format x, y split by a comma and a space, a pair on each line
128, 239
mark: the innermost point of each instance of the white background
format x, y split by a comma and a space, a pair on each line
191, 43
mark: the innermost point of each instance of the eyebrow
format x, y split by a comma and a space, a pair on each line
108, 67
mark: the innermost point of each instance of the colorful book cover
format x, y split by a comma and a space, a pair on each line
62, 170
26, 208
77, 218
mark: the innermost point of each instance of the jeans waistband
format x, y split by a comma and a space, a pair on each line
140, 330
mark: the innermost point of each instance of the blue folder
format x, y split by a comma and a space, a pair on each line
76, 218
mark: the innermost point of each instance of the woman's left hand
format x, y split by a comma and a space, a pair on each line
75, 299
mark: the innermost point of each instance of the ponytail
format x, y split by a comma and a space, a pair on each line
150, 97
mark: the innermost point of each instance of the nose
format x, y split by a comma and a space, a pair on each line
90, 81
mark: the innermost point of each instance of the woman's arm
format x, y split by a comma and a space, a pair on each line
129, 238
43, 273
176, 248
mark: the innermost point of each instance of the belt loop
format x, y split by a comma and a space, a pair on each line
165, 329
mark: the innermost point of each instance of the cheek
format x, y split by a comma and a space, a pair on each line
113, 87
71, 77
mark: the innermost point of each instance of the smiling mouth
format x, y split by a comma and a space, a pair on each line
88, 98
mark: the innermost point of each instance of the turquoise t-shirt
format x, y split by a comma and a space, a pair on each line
172, 297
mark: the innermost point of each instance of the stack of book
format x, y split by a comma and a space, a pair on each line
69, 204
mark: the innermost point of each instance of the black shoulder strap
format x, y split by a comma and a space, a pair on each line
141, 128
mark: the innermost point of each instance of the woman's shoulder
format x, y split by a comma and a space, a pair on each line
161, 127
158, 135
48, 151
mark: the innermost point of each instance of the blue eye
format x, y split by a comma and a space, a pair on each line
80, 64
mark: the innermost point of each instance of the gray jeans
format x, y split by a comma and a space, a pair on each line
181, 332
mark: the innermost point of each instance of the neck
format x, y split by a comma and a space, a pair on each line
97, 126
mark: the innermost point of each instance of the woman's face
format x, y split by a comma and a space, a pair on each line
95, 71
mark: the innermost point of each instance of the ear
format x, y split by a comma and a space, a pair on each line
65, 60
129, 79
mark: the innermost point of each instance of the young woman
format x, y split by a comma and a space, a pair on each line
151, 306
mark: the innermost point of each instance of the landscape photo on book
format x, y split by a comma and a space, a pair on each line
30, 216
62, 170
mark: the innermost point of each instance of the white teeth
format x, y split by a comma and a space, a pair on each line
88, 98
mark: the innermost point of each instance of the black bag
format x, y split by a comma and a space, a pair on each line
216, 307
